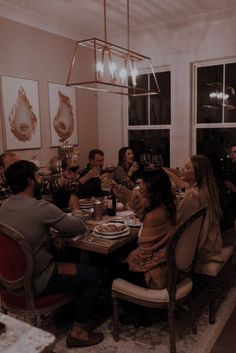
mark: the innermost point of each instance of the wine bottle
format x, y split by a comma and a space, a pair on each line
111, 205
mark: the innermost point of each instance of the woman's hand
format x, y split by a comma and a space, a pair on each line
134, 167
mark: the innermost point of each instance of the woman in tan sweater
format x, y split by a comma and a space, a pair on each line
147, 265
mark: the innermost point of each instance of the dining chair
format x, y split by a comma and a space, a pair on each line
181, 251
16, 268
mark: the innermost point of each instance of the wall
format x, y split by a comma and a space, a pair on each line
29, 53
177, 45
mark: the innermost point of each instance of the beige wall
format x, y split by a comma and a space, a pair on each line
29, 53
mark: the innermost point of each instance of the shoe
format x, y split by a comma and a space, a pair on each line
93, 339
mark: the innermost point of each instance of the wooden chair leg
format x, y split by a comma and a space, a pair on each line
116, 328
171, 319
192, 316
212, 299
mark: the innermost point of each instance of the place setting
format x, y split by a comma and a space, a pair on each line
111, 230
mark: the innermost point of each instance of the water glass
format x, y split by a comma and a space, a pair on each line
157, 160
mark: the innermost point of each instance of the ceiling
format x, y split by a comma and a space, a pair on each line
82, 19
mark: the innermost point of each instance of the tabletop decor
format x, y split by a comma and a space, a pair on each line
21, 118
63, 116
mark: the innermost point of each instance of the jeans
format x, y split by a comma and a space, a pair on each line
85, 283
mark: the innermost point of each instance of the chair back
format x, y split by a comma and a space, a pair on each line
182, 248
16, 263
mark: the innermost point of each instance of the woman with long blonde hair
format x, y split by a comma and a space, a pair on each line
201, 191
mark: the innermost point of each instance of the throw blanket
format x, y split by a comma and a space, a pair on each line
150, 256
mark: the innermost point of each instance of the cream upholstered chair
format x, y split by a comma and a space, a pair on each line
210, 272
16, 268
181, 253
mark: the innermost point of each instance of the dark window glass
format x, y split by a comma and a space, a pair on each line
138, 106
160, 104
230, 91
209, 82
215, 141
157, 141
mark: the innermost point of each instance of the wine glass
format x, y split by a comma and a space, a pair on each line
145, 159
106, 184
157, 160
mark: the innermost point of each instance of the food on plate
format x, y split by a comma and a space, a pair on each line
88, 201
111, 227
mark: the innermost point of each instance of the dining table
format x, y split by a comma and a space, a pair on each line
89, 243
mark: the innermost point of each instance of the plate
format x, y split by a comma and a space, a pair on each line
133, 223
45, 172
86, 203
111, 236
110, 228
124, 213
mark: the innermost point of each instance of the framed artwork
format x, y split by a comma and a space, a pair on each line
63, 116
21, 119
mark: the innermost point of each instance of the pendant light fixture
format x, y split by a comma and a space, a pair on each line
100, 66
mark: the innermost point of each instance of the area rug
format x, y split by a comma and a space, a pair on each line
156, 337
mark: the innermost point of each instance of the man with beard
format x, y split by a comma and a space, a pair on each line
33, 218
6, 159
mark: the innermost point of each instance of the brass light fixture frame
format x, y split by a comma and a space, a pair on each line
97, 48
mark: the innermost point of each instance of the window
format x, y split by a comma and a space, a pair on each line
149, 118
215, 108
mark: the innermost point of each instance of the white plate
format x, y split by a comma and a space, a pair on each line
110, 236
124, 213
113, 232
133, 223
88, 204
45, 172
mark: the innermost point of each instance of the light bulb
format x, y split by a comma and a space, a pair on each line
100, 70
134, 73
123, 75
112, 69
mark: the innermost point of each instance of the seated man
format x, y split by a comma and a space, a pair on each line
6, 159
48, 275
92, 187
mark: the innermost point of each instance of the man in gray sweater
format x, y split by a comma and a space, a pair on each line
33, 218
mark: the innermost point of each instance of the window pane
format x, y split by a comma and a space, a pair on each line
230, 90
209, 82
138, 106
155, 140
160, 103
215, 141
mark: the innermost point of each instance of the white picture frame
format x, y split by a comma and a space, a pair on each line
21, 121
54, 103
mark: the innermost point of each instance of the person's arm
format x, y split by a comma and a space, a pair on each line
230, 186
175, 178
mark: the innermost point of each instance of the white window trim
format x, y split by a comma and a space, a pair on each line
196, 125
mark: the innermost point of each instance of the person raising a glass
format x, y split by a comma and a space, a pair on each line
124, 173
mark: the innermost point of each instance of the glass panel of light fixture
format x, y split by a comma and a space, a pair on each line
160, 103
209, 94
230, 93
138, 106
150, 141
215, 141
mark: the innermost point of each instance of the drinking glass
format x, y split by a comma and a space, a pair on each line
157, 160
106, 184
145, 159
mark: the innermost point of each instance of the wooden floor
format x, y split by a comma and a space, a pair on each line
226, 343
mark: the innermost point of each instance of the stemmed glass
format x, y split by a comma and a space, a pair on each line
145, 159
157, 160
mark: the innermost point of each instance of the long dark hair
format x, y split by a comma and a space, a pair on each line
160, 192
121, 157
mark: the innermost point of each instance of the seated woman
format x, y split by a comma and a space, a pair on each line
147, 265
124, 173
201, 191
